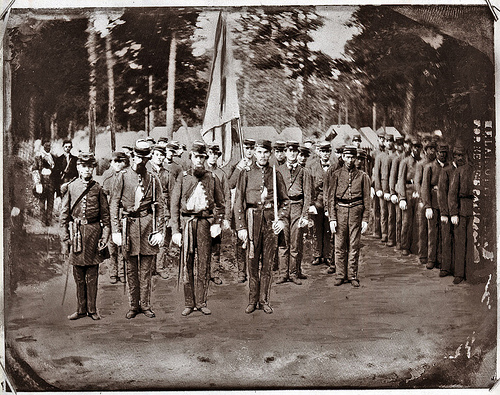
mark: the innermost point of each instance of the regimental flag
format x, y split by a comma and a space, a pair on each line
221, 122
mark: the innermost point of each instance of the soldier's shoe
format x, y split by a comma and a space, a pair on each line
458, 280
94, 316
250, 308
281, 280
187, 311
295, 280
302, 276
122, 279
338, 281
423, 261
113, 279
216, 280
316, 261
242, 278
355, 283
267, 308
430, 265
390, 244
383, 239
76, 316
377, 235
444, 273
398, 246
327, 261
331, 270
149, 313
205, 310
131, 314
405, 253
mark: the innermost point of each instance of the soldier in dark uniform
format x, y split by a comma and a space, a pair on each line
279, 156
298, 183
304, 155
45, 181
141, 228
197, 209
356, 141
348, 208
245, 164
119, 162
360, 161
393, 181
377, 226
407, 197
380, 179
85, 226
214, 153
460, 202
385, 171
259, 220
429, 191
65, 167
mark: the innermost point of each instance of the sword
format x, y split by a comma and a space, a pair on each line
65, 257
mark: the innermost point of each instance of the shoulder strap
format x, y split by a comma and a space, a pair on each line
91, 184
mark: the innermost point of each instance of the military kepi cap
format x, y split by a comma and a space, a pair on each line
199, 147
356, 137
119, 156
279, 145
325, 146
430, 144
249, 143
142, 148
443, 147
173, 145
86, 158
214, 148
158, 147
350, 150
293, 144
266, 144
305, 151
361, 153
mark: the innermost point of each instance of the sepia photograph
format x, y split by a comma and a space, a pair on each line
258, 196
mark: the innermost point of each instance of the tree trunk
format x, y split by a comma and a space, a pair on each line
374, 117
246, 95
347, 112
92, 57
171, 87
53, 127
111, 91
409, 104
7, 93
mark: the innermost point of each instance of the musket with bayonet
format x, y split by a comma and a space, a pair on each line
275, 195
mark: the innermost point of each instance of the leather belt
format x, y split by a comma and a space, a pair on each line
86, 221
138, 214
260, 205
350, 201
201, 214
296, 198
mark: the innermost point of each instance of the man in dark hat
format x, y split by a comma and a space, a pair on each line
407, 196
44, 181
303, 156
390, 210
197, 211
298, 183
173, 168
85, 223
393, 180
140, 229
460, 201
129, 151
429, 192
360, 161
348, 209
244, 165
65, 166
214, 153
279, 155
259, 221
163, 141
376, 184
356, 140
119, 161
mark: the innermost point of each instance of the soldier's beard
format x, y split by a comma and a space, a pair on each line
198, 171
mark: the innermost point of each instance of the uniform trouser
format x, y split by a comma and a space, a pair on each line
377, 231
282, 257
115, 259
348, 241
384, 216
434, 237
197, 265
161, 257
291, 254
422, 231
47, 203
464, 246
241, 257
408, 221
448, 246
139, 270
399, 224
86, 288
260, 266
391, 222
215, 263
323, 243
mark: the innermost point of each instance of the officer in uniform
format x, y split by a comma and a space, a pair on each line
298, 183
393, 180
85, 224
214, 153
429, 191
407, 196
244, 165
44, 180
197, 210
141, 229
460, 202
348, 208
259, 220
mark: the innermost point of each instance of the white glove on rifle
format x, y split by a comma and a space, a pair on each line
428, 213
333, 226
117, 238
177, 239
215, 230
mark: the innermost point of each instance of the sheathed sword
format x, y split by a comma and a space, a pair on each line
65, 258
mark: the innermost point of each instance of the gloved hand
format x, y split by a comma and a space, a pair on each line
226, 224
39, 188
278, 226
312, 210
117, 238
15, 212
454, 219
428, 213
303, 221
177, 239
364, 226
416, 195
372, 192
387, 196
333, 226
380, 193
444, 219
101, 244
243, 235
215, 230
156, 239
394, 199
402, 204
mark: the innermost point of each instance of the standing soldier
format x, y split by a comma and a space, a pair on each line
360, 161
304, 154
44, 180
429, 194
279, 155
298, 183
197, 210
85, 225
393, 181
119, 162
173, 168
261, 204
348, 207
377, 229
460, 199
141, 229
244, 165
407, 197
429, 156
214, 153
378, 176
65, 166
385, 171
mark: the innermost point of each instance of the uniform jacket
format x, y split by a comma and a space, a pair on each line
461, 196
444, 187
249, 190
350, 188
430, 180
385, 170
234, 174
298, 182
376, 172
224, 182
393, 178
93, 213
167, 181
185, 185
406, 178
65, 171
319, 175
419, 174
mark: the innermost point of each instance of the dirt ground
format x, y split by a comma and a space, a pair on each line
403, 328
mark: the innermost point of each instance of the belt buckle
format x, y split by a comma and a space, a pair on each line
268, 205
84, 221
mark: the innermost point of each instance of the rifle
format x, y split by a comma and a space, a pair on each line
125, 250
153, 209
275, 195
65, 257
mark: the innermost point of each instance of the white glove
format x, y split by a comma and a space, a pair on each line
243, 235
394, 199
444, 219
15, 212
428, 213
454, 219
326, 213
117, 238
303, 221
312, 210
215, 230
387, 196
278, 226
226, 224
402, 204
415, 195
39, 188
177, 239
156, 239
333, 226
372, 192
364, 227
380, 193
